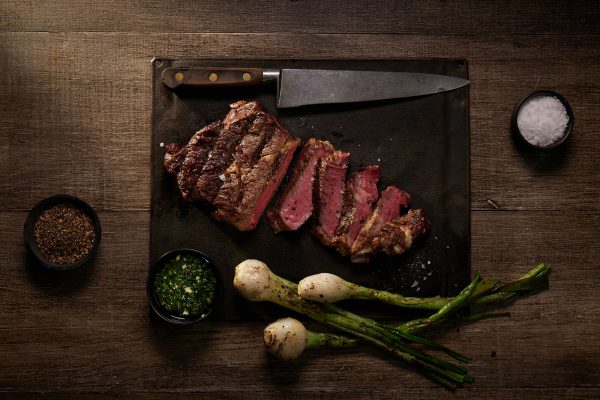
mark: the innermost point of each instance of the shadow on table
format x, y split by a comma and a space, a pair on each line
58, 283
543, 161
286, 374
180, 343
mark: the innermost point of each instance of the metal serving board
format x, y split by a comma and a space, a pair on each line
421, 144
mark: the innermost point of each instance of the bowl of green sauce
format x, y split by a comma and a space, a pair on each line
183, 286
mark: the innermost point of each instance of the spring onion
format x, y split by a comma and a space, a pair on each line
329, 288
287, 338
256, 282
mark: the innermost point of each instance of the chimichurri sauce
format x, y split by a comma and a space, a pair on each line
185, 286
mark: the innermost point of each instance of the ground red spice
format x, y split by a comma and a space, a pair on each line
64, 234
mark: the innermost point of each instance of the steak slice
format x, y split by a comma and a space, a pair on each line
359, 196
248, 189
398, 235
329, 195
246, 155
235, 126
187, 162
388, 208
295, 205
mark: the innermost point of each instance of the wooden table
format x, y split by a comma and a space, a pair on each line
75, 104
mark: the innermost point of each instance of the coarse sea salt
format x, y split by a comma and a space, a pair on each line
542, 120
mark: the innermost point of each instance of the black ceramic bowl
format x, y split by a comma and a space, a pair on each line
155, 305
539, 93
29, 235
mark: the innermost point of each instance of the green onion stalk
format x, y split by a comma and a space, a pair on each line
288, 338
256, 282
329, 288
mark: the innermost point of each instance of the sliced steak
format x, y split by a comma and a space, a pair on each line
398, 235
295, 205
235, 126
329, 195
187, 162
248, 189
388, 207
246, 155
359, 196
237, 165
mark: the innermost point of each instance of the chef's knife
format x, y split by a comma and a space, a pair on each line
299, 87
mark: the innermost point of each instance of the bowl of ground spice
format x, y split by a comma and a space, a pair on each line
543, 120
62, 232
183, 286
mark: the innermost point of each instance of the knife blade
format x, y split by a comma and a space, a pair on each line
299, 87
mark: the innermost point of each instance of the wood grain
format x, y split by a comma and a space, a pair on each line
75, 117
93, 327
473, 17
86, 96
373, 393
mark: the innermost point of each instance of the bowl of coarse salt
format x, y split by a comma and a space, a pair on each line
544, 119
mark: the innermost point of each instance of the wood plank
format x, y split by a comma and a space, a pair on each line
333, 16
75, 118
76, 109
87, 98
91, 327
390, 393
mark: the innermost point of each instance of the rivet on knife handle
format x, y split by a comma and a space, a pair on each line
211, 76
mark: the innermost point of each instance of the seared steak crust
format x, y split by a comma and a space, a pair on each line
235, 126
388, 208
236, 165
359, 196
246, 154
398, 235
187, 163
249, 186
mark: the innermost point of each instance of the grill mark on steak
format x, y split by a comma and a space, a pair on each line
259, 184
246, 155
235, 127
329, 195
195, 154
359, 195
398, 235
237, 165
388, 207
173, 157
295, 205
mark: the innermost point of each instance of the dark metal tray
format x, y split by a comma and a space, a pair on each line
421, 144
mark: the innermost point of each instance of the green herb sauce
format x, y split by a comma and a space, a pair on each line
185, 286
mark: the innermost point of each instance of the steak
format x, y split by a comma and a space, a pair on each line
249, 186
329, 195
236, 165
388, 207
295, 205
246, 155
398, 235
359, 196
174, 157
187, 162
235, 126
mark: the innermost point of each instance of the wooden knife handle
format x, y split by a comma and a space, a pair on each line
211, 76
